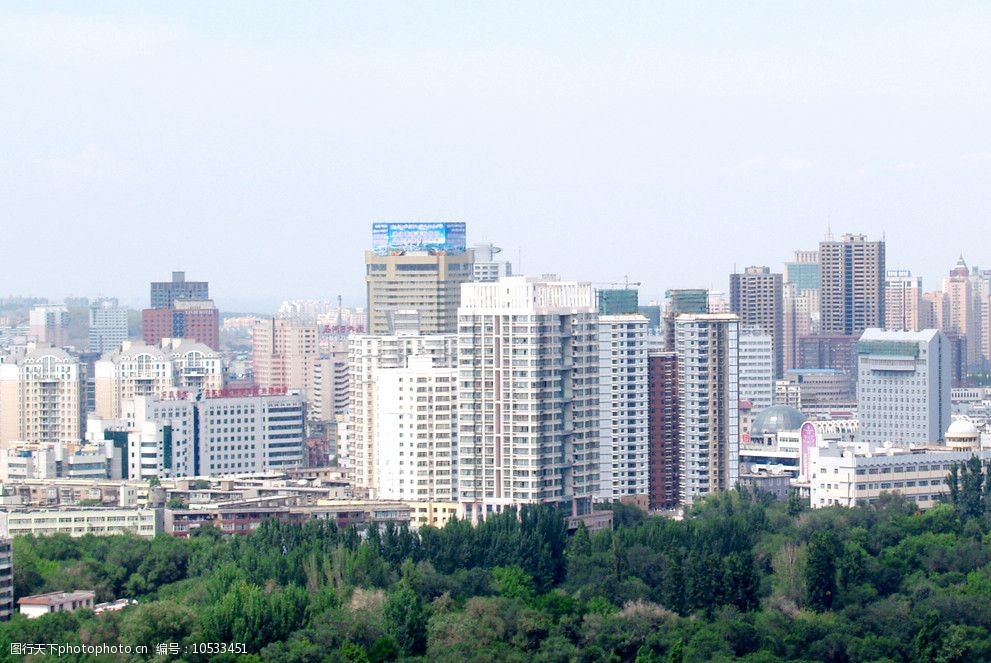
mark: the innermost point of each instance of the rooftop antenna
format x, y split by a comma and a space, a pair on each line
829, 230
519, 259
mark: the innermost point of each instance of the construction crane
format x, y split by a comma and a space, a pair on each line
625, 283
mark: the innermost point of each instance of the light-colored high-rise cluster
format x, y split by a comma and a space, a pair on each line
137, 369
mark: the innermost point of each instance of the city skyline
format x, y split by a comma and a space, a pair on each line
563, 137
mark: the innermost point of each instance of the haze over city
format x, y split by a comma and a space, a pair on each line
664, 142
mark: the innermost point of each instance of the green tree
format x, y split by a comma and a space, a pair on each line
158, 621
513, 583
820, 573
405, 620
741, 581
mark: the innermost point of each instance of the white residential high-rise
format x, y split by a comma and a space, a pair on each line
415, 431
327, 386
903, 386
486, 268
623, 423
107, 325
528, 394
41, 397
708, 374
366, 356
137, 369
756, 351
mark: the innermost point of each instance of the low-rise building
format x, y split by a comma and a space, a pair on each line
243, 517
849, 475
39, 605
81, 521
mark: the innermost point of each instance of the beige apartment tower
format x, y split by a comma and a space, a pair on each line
903, 310
281, 352
40, 397
964, 310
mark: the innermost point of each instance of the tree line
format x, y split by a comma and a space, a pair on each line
741, 577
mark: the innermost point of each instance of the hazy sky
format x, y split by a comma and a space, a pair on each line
254, 143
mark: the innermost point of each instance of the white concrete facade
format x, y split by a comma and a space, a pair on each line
528, 399
212, 436
366, 356
623, 393
416, 432
708, 383
903, 386
848, 477
757, 368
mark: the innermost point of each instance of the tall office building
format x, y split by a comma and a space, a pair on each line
756, 297
800, 299
904, 386
418, 266
164, 294
964, 311
852, 285
416, 431
486, 268
803, 271
137, 369
756, 352
107, 325
49, 325
680, 301
181, 309
902, 301
708, 389
623, 395
528, 397
197, 320
41, 397
367, 356
663, 429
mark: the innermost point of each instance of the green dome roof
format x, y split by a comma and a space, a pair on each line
775, 419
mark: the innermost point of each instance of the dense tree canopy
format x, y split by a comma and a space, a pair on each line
739, 578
